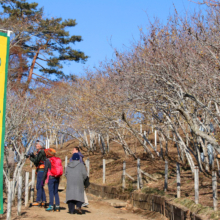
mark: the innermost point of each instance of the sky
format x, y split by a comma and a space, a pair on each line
108, 24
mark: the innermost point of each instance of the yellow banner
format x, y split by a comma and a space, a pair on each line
3, 57
4, 53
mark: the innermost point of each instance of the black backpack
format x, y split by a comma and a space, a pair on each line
86, 182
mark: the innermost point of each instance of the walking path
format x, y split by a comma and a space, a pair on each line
98, 210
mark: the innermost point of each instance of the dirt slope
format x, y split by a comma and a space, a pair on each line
155, 167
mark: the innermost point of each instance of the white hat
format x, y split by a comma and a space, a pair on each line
40, 142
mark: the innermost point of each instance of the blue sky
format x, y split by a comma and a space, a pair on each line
102, 23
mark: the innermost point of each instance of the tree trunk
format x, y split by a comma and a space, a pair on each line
32, 66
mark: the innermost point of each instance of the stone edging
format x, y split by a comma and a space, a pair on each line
145, 202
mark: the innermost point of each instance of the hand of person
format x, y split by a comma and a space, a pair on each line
42, 183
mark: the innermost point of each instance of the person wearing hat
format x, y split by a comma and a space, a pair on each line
38, 161
76, 150
53, 181
76, 175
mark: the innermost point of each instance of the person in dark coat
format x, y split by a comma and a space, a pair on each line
76, 150
39, 160
76, 175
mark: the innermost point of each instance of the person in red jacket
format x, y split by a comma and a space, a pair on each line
53, 181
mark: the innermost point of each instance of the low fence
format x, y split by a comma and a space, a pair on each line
145, 202
25, 192
166, 169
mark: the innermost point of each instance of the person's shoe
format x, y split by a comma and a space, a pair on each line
43, 204
36, 204
85, 204
79, 211
50, 208
57, 208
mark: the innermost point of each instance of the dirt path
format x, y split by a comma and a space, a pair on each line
98, 210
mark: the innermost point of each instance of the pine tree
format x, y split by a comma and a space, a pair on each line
39, 43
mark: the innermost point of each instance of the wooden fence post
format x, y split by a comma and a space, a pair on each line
214, 188
32, 185
138, 183
155, 139
138, 173
99, 139
26, 188
10, 184
196, 182
178, 179
56, 143
166, 176
19, 195
141, 181
88, 166
123, 176
103, 170
187, 141
47, 143
145, 143
107, 139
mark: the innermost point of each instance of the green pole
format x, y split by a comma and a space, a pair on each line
4, 57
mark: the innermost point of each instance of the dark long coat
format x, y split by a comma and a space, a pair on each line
76, 175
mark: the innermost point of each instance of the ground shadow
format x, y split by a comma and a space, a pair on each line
83, 212
23, 213
62, 208
119, 206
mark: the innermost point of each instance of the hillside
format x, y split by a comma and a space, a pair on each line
155, 167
